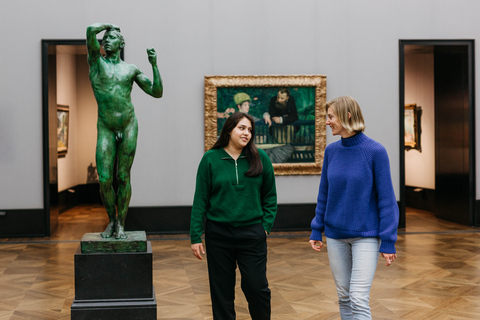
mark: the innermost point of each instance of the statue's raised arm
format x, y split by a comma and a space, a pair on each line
154, 89
93, 46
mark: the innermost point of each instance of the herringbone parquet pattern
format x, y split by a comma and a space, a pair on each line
436, 275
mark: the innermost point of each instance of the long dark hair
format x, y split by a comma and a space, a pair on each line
251, 152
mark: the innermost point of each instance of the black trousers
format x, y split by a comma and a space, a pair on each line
246, 246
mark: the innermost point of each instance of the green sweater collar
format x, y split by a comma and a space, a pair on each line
225, 156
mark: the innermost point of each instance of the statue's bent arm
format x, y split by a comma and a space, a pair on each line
154, 89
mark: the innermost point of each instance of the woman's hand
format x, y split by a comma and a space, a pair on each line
197, 250
315, 246
389, 258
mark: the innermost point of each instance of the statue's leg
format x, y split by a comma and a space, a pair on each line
126, 153
105, 158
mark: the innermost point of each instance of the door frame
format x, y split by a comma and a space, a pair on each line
470, 43
45, 124
45, 114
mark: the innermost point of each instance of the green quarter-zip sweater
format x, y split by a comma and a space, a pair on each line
224, 194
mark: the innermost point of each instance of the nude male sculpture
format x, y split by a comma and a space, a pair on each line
112, 82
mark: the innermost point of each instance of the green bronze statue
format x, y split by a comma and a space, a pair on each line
112, 82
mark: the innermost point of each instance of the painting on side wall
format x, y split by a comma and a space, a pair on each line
62, 130
289, 115
413, 127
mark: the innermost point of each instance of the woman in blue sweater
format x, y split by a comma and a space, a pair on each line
356, 208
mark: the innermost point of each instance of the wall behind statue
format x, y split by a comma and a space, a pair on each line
67, 96
355, 43
74, 91
419, 90
86, 122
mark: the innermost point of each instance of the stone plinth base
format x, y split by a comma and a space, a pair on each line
114, 285
128, 309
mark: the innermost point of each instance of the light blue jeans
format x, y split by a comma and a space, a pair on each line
353, 263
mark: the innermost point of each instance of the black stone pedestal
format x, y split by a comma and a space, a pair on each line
114, 286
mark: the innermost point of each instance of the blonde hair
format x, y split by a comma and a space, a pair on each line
342, 106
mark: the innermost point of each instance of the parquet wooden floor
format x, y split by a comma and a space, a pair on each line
436, 275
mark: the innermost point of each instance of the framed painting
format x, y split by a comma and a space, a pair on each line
289, 114
412, 127
62, 130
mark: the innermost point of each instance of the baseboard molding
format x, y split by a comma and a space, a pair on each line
160, 220
476, 218
424, 199
420, 198
402, 217
294, 217
82, 193
22, 223
176, 219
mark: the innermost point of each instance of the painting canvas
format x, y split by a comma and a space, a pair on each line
62, 130
412, 126
289, 114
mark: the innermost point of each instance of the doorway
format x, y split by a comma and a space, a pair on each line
437, 166
69, 129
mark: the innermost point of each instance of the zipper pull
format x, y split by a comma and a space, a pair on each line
236, 171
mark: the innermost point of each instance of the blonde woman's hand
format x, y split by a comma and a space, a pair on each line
389, 258
197, 250
316, 245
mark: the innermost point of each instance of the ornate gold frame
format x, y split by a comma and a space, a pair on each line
63, 127
317, 81
414, 126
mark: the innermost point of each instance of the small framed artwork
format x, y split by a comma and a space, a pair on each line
62, 130
412, 127
289, 115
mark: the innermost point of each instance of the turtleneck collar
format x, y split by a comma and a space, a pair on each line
353, 140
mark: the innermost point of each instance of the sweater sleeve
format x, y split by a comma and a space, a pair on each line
318, 222
269, 193
387, 203
200, 200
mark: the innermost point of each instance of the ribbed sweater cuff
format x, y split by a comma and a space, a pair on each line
316, 235
387, 247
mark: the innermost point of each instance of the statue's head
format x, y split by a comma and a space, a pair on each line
113, 40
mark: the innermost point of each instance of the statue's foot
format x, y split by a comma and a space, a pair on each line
109, 231
120, 232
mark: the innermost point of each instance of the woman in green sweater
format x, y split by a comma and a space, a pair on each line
235, 191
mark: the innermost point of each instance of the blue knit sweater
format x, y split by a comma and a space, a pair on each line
356, 197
